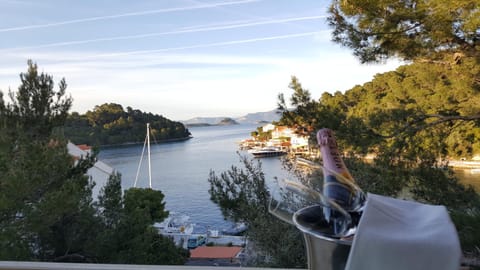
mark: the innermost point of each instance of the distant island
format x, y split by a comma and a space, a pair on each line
110, 124
224, 122
251, 118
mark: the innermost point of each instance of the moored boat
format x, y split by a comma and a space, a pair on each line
268, 152
237, 229
175, 224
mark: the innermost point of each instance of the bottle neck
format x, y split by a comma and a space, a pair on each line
332, 159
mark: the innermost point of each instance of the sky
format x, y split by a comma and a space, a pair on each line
180, 59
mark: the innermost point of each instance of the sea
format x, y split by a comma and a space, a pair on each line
181, 170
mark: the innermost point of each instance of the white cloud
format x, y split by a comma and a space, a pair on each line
185, 85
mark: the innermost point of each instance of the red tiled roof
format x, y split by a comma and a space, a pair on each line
214, 252
84, 147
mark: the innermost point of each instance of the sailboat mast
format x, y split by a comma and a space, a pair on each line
148, 151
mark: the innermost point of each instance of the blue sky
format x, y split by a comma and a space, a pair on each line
181, 59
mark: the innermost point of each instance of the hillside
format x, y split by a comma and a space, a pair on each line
110, 124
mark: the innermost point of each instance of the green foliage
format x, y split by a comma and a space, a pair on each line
110, 201
36, 107
260, 135
376, 30
304, 107
46, 207
420, 111
243, 196
146, 203
467, 227
110, 124
127, 235
149, 247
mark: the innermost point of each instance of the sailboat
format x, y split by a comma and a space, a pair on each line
146, 144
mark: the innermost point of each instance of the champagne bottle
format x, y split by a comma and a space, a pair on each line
339, 186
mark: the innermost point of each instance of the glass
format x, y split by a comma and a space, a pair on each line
310, 211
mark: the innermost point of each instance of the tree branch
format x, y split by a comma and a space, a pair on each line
413, 127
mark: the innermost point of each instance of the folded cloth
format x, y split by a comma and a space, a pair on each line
396, 234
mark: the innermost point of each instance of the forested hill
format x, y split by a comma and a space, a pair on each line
420, 108
437, 103
110, 124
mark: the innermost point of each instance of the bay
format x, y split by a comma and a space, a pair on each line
181, 170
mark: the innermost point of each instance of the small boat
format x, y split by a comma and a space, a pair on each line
175, 224
237, 229
268, 152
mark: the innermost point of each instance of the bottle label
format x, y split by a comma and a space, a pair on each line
338, 192
338, 183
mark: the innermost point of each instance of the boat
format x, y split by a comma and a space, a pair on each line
146, 144
175, 224
268, 152
237, 229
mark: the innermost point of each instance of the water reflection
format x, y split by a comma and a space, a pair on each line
469, 177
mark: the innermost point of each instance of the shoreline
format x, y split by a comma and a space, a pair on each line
462, 164
138, 143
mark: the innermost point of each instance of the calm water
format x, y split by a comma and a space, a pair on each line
469, 176
181, 170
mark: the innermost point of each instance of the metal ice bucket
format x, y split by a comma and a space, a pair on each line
323, 251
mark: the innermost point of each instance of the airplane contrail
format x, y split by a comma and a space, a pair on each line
183, 31
130, 14
206, 45
216, 44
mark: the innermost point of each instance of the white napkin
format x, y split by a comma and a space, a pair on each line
396, 234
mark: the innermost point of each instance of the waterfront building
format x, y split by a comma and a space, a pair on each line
99, 173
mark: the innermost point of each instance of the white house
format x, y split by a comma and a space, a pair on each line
99, 173
268, 127
278, 132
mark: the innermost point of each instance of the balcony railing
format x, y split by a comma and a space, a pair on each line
11, 265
